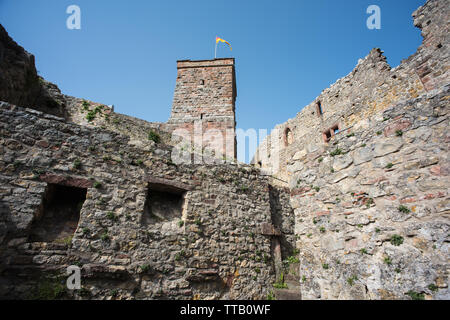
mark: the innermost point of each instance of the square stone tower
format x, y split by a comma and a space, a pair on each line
204, 103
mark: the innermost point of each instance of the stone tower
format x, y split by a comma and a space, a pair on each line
204, 103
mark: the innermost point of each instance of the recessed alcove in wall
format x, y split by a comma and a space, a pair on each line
58, 215
163, 203
288, 137
328, 134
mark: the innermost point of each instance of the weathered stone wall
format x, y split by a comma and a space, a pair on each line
219, 246
372, 208
97, 115
370, 88
205, 93
19, 80
368, 173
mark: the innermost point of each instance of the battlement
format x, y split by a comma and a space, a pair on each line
218, 62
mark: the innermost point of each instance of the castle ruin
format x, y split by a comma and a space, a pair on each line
357, 207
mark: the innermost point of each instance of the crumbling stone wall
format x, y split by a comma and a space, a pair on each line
372, 207
370, 88
19, 80
216, 248
368, 173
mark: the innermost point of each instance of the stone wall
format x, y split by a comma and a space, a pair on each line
367, 165
216, 247
370, 88
372, 207
19, 80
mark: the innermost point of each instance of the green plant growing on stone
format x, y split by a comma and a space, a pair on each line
351, 135
377, 230
153, 136
388, 261
379, 133
114, 293
369, 202
416, 295
292, 260
104, 236
317, 189
325, 266
90, 116
145, 268
77, 164
85, 231
309, 235
433, 287
403, 209
398, 270
112, 216
97, 185
396, 240
320, 159
352, 280
179, 255
332, 170
49, 289
389, 165
399, 133
322, 229
363, 251
270, 296
304, 279
67, 240
336, 152
363, 145
314, 221
85, 105
280, 283
198, 222
180, 223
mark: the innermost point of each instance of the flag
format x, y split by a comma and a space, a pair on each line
221, 40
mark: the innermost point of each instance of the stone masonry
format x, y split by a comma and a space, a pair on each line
205, 95
356, 208
367, 165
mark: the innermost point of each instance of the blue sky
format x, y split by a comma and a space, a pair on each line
286, 52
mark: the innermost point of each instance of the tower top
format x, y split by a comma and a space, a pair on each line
219, 62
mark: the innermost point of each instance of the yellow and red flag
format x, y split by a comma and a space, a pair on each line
221, 40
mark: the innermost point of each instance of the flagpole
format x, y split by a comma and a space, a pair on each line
215, 49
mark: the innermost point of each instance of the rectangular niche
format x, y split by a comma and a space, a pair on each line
163, 203
58, 215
